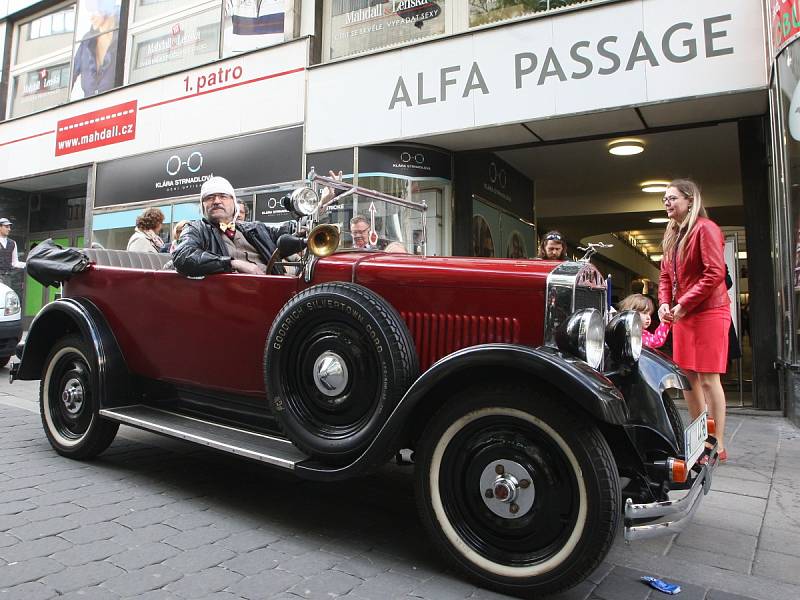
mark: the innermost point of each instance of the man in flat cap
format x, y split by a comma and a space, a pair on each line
218, 243
9, 258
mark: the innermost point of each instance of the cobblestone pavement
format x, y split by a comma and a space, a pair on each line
155, 518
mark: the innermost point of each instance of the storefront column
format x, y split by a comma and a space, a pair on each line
753, 135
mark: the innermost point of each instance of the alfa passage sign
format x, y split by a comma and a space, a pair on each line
616, 55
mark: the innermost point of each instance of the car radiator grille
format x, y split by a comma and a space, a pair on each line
586, 297
437, 334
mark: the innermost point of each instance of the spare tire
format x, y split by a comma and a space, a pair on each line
338, 359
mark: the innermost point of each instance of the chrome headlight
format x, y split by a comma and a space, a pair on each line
304, 201
12, 303
624, 336
583, 336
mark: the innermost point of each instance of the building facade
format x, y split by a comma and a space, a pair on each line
507, 117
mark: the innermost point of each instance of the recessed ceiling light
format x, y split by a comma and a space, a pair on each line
656, 257
659, 220
654, 187
626, 147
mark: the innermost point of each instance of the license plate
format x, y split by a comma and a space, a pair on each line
694, 438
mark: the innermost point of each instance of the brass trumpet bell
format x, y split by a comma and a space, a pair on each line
323, 240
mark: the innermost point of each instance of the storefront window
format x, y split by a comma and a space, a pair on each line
788, 66
40, 88
363, 25
175, 45
45, 35
94, 63
482, 12
145, 10
252, 24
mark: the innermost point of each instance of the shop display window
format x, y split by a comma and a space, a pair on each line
40, 88
45, 35
788, 64
252, 24
147, 10
178, 44
357, 26
483, 12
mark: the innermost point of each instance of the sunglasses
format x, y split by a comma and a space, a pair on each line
553, 236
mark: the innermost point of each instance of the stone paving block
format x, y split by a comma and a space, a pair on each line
756, 489
197, 537
144, 555
7, 540
51, 511
87, 575
783, 541
33, 548
191, 520
443, 587
161, 594
90, 533
92, 593
256, 561
582, 591
265, 585
783, 567
15, 507
291, 545
143, 535
245, 541
40, 529
725, 501
718, 540
363, 566
94, 500
86, 553
620, 583
310, 563
20, 494
142, 580
720, 595
326, 585
601, 572
148, 516
99, 514
149, 500
204, 583
727, 520
197, 559
386, 585
713, 559
33, 590
8, 522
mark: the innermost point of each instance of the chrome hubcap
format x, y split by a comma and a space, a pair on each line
507, 489
330, 374
72, 396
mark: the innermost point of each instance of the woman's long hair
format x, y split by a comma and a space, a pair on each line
691, 190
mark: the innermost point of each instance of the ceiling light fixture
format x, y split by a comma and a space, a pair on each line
656, 257
654, 187
626, 147
659, 220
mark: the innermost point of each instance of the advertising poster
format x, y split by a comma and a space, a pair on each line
785, 23
357, 28
516, 238
251, 24
94, 61
485, 230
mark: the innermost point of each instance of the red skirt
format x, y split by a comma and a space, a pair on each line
700, 341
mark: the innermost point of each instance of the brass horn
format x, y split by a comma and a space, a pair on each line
323, 240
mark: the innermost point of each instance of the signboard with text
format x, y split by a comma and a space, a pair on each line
98, 128
785, 21
614, 55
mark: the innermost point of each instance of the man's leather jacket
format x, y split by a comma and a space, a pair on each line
202, 252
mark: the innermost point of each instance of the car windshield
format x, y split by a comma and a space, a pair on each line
370, 220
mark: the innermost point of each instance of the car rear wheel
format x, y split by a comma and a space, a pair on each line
69, 403
338, 360
519, 492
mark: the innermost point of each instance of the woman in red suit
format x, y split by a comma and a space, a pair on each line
692, 294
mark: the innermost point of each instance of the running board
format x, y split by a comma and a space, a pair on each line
257, 446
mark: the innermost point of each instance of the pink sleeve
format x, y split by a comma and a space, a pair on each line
658, 337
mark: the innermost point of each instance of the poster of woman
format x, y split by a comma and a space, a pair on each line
94, 64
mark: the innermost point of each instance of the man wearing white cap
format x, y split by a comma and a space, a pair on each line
218, 243
8, 248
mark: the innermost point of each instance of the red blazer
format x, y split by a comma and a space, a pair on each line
701, 271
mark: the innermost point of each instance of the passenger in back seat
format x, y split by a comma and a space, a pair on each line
219, 244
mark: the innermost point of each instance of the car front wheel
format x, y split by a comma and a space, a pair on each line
69, 403
519, 492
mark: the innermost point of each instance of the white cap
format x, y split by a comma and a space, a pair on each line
217, 185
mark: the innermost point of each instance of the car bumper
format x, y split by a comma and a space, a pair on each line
669, 517
10, 332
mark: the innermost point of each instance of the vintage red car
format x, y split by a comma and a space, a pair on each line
534, 421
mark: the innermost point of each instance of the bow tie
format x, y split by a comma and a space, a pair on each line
228, 229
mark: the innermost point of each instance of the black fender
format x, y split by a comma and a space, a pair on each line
577, 381
652, 412
71, 315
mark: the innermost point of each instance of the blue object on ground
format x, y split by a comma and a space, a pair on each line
661, 585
